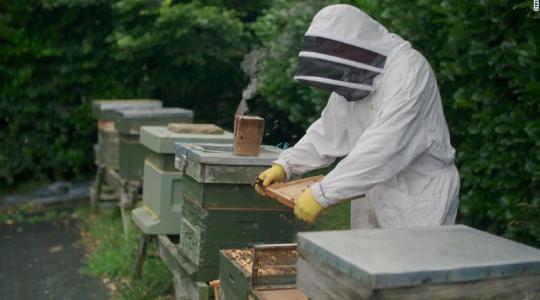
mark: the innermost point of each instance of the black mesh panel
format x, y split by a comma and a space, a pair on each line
308, 66
343, 50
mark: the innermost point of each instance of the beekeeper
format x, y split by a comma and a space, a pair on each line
384, 116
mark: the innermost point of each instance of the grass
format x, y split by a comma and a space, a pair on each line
22, 187
111, 254
33, 213
111, 257
334, 218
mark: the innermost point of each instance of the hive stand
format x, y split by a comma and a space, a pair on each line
126, 179
106, 149
160, 212
184, 285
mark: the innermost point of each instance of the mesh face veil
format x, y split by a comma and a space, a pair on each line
343, 53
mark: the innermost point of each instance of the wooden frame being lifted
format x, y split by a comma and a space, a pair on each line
288, 192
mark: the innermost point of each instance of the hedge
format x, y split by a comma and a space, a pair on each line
486, 58
58, 55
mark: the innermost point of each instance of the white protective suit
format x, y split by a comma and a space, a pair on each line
384, 116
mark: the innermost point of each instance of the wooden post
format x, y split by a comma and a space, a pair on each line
248, 135
95, 195
141, 255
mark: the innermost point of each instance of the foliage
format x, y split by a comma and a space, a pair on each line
280, 32
186, 53
34, 213
58, 55
335, 218
111, 257
50, 61
289, 106
486, 58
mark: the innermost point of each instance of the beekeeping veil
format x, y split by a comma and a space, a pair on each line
344, 51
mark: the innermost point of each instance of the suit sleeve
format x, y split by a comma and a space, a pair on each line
387, 146
324, 141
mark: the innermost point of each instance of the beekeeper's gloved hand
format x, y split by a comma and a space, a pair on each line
307, 208
274, 174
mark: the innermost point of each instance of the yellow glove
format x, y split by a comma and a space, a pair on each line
307, 208
274, 174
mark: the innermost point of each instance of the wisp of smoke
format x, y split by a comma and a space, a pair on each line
251, 66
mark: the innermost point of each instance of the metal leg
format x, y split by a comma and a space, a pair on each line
141, 255
125, 213
128, 197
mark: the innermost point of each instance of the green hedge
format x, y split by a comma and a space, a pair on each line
486, 57
58, 55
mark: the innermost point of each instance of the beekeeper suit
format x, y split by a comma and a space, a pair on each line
384, 116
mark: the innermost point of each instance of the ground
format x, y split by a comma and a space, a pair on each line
41, 258
64, 251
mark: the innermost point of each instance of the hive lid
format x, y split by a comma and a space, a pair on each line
103, 109
221, 154
388, 258
161, 140
129, 121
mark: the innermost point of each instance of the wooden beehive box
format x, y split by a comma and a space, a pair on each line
288, 192
235, 273
103, 111
128, 123
162, 191
220, 208
444, 262
272, 264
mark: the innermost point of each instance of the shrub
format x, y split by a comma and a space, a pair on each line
485, 55
486, 58
58, 55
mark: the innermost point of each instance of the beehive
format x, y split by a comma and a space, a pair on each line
185, 286
264, 272
128, 123
444, 262
220, 208
235, 273
102, 110
160, 213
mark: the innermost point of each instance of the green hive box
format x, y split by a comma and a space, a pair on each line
220, 208
128, 123
235, 281
102, 110
162, 193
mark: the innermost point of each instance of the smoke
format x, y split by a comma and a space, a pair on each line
251, 66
